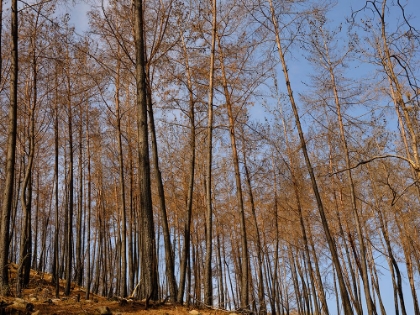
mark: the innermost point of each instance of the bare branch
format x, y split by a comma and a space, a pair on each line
413, 165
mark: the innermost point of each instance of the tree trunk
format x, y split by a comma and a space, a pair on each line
363, 264
239, 194
331, 244
208, 284
261, 293
149, 266
79, 249
69, 214
123, 286
187, 228
11, 151
169, 254
56, 269
89, 209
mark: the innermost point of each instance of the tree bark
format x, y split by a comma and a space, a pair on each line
149, 266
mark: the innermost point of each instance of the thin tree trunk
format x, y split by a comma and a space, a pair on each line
56, 268
187, 228
89, 209
363, 264
123, 286
261, 291
208, 284
239, 194
169, 253
331, 244
69, 227
391, 258
79, 249
131, 264
26, 203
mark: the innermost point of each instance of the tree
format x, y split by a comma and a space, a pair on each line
331, 244
149, 263
11, 151
208, 283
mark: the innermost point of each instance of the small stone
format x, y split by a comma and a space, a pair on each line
33, 299
194, 312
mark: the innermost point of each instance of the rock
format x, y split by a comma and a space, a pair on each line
104, 310
56, 301
33, 299
194, 312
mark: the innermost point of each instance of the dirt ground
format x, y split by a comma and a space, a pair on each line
39, 299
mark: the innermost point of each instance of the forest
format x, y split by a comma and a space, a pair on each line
261, 156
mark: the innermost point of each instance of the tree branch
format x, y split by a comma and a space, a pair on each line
412, 164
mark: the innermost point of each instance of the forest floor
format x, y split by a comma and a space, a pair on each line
39, 299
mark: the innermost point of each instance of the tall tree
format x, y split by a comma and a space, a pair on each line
11, 151
149, 263
331, 243
208, 283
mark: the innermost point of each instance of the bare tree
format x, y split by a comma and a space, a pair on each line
11, 151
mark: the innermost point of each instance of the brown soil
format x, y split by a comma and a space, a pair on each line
41, 293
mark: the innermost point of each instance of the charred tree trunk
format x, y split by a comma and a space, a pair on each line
11, 151
149, 265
